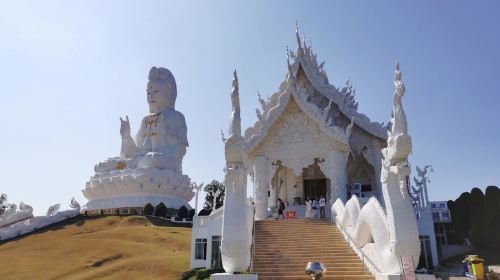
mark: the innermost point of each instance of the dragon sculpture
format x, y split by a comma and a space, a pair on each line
386, 236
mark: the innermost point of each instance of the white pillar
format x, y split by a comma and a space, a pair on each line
261, 185
334, 168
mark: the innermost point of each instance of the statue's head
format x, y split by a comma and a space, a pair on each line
161, 90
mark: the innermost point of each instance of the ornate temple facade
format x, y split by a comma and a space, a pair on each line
309, 140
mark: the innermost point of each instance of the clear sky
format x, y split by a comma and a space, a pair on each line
70, 69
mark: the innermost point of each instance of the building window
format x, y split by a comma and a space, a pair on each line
216, 254
200, 252
435, 216
366, 188
425, 253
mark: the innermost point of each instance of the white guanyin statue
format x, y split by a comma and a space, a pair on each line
149, 169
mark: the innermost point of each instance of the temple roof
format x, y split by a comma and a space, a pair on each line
304, 79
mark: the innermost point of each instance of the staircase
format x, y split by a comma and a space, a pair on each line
283, 248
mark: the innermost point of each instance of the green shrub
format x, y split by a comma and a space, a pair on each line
205, 273
191, 214
160, 210
188, 274
149, 209
183, 212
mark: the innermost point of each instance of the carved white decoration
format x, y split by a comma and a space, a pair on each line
13, 214
237, 219
343, 98
149, 169
53, 209
386, 236
29, 224
197, 188
418, 193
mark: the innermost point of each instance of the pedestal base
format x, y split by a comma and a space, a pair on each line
227, 276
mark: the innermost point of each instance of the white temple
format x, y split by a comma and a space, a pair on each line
149, 168
309, 140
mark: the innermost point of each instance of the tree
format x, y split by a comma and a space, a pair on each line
204, 212
210, 191
183, 212
476, 216
3, 203
491, 219
476, 211
460, 216
149, 209
160, 210
191, 213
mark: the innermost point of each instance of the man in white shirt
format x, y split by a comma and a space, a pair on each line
322, 204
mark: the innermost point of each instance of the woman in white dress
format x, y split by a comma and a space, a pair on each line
308, 209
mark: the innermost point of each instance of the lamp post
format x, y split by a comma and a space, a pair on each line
316, 270
198, 189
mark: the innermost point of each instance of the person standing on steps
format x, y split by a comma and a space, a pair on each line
308, 208
315, 206
322, 204
281, 208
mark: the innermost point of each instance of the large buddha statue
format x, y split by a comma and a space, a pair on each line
152, 163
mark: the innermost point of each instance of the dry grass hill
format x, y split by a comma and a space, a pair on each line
112, 247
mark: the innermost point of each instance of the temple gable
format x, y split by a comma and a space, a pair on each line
294, 132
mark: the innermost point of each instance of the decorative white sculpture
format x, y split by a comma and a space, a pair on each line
197, 188
419, 195
149, 169
237, 221
30, 224
214, 199
13, 214
388, 236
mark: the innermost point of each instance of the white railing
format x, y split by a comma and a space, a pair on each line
364, 258
253, 242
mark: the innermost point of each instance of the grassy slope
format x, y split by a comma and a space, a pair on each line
99, 248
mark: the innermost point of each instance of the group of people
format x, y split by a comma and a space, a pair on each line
315, 208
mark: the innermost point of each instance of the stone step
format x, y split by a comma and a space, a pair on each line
303, 276
302, 267
303, 260
283, 248
327, 263
297, 244
322, 251
302, 271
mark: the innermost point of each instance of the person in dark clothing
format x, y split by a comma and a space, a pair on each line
281, 207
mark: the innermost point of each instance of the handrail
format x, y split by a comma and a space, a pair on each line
253, 242
363, 255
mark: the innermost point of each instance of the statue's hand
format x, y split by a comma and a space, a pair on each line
125, 127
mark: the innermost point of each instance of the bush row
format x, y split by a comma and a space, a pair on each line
161, 210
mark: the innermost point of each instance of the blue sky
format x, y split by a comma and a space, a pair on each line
70, 69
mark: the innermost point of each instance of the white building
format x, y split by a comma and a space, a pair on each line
309, 141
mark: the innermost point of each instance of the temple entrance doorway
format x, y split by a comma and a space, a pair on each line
314, 188
316, 184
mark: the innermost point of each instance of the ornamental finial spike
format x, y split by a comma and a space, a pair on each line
399, 124
299, 43
235, 122
397, 72
235, 83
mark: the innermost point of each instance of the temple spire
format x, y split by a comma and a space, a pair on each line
399, 124
297, 35
235, 122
